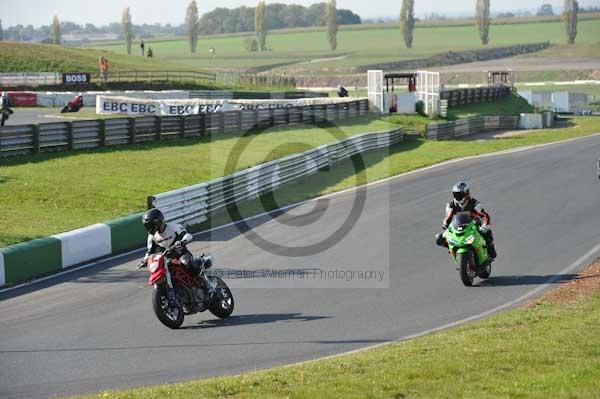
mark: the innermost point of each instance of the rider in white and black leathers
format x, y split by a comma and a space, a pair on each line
167, 236
463, 202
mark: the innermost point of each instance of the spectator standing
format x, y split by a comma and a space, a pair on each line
103, 69
150, 53
142, 47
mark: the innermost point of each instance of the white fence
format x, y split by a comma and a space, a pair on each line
12, 79
193, 204
428, 91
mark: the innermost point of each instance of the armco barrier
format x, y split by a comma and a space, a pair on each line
67, 136
194, 204
189, 205
466, 127
475, 95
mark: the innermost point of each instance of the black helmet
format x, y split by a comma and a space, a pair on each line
461, 193
153, 219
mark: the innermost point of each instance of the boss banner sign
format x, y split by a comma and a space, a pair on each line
135, 106
75, 78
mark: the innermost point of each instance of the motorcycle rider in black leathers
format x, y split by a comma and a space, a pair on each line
5, 102
463, 202
163, 235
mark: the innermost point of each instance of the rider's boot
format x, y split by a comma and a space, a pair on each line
492, 250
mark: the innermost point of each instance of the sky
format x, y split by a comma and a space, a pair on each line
99, 12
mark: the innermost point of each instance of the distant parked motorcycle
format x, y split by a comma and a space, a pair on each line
468, 249
74, 105
179, 292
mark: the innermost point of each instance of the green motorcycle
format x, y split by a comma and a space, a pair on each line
468, 248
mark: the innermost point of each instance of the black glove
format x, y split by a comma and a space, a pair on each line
178, 245
142, 264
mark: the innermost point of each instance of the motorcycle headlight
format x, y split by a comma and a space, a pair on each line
453, 242
470, 239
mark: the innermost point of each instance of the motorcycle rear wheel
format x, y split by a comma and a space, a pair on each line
170, 316
466, 267
222, 305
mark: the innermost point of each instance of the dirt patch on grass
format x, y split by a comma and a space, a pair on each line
586, 283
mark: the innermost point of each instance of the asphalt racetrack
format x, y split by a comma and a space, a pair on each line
27, 116
94, 329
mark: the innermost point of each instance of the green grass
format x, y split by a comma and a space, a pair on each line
20, 57
547, 351
401, 158
107, 183
115, 181
358, 46
512, 105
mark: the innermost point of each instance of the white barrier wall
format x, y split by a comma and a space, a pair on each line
58, 99
80, 245
561, 101
133, 106
570, 102
531, 121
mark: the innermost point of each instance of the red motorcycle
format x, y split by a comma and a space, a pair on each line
74, 105
178, 291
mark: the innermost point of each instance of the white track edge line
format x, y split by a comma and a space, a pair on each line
283, 208
573, 266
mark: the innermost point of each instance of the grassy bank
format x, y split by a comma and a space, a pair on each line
20, 57
400, 158
511, 105
115, 181
549, 349
308, 50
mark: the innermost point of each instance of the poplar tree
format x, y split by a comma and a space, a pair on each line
332, 24
570, 19
55, 35
482, 18
407, 21
126, 29
260, 25
191, 25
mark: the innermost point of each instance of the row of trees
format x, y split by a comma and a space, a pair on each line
219, 20
331, 18
483, 20
277, 16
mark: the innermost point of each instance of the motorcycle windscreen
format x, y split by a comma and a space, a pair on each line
461, 220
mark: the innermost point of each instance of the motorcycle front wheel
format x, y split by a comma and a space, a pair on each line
466, 267
485, 271
171, 316
222, 304
4, 118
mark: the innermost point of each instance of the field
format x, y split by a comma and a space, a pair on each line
307, 51
20, 57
